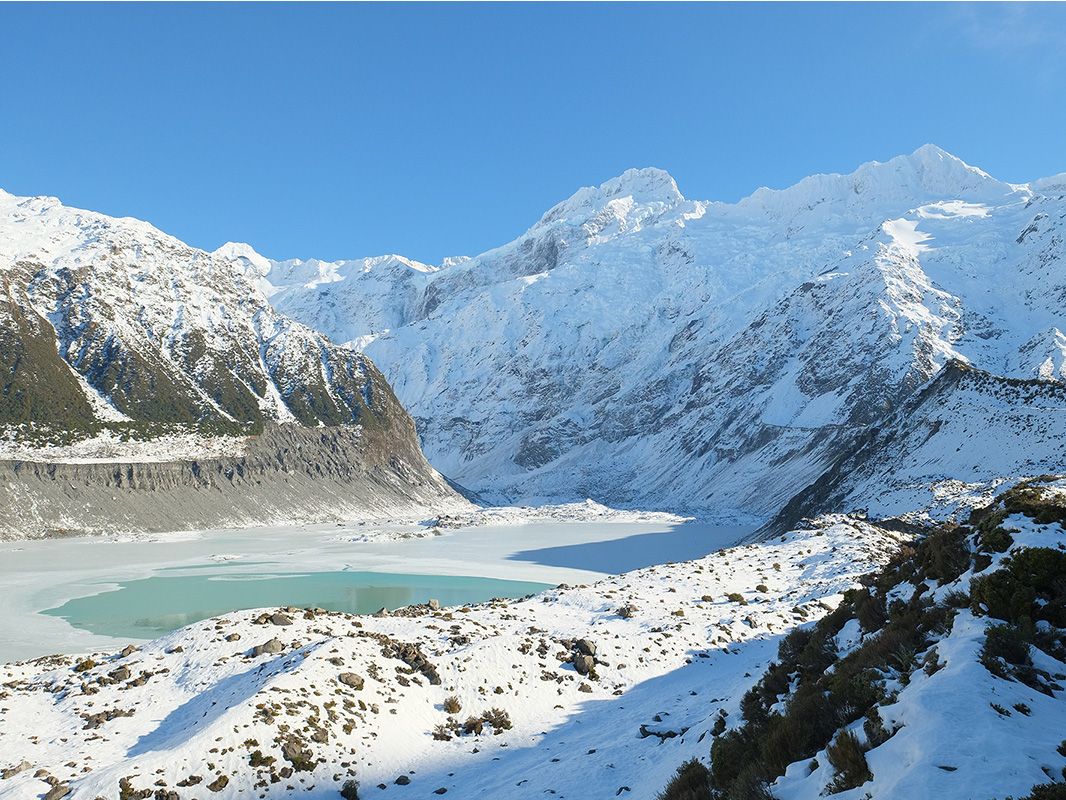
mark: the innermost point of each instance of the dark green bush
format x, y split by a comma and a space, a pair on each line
1008, 643
945, 554
1012, 592
1046, 791
848, 757
691, 782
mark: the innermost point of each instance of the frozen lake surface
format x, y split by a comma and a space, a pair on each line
244, 566
155, 606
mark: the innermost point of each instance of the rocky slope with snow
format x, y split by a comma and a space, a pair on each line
644, 349
843, 658
580, 691
113, 334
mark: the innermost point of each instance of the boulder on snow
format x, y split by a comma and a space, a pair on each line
583, 663
351, 679
586, 647
273, 646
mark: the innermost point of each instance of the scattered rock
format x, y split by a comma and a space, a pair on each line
441, 790
273, 646
292, 750
434, 604
281, 619
128, 651
127, 792
583, 664
120, 674
584, 687
403, 780
645, 732
233, 637
219, 783
382, 612
586, 647
351, 679
93, 721
13, 771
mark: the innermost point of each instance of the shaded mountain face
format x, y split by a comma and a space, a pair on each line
952, 445
645, 349
109, 320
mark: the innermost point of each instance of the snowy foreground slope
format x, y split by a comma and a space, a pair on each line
134, 364
939, 674
640, 348
199, 703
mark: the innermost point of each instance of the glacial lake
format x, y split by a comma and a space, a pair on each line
151, 607
96, 593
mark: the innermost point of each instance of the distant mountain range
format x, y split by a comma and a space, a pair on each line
644, 349
632, 346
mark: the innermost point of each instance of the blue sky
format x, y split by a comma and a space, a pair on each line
346, 130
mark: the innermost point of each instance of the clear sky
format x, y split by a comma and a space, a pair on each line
344, 130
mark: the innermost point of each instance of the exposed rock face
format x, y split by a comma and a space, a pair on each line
287, 473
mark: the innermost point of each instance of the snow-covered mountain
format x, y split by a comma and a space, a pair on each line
111, 331
645, 349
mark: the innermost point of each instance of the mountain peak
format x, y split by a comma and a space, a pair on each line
934, 163
643, 185
238, 251
928, 173
647, 187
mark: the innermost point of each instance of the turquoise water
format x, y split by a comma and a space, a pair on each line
151, 607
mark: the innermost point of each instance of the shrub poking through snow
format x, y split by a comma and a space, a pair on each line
350, 790
497, 719
1046, 791
691, 782
452, 705
848, 757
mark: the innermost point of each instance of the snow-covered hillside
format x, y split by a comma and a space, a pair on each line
841, 658
640, 348
150, 329
955, 444
579, 691
122, 345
